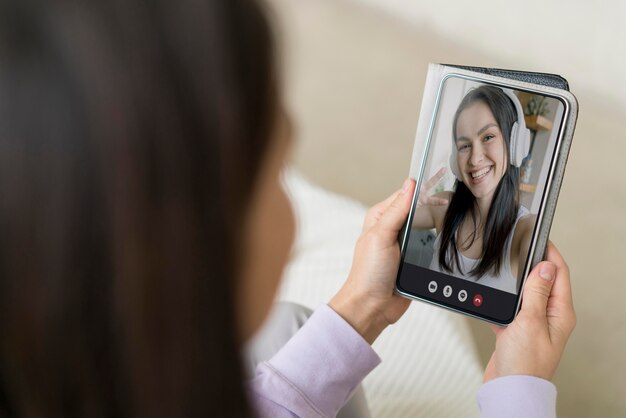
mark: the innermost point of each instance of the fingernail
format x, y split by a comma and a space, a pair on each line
405, 186
547, 271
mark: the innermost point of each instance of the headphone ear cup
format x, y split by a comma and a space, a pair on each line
519, 141
454, 165
523, 144
520, 144
513, 142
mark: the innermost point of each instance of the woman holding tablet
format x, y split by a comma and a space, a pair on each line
144, 228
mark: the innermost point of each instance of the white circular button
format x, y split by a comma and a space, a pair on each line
462, 295
432, 286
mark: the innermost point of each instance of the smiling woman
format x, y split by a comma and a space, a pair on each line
484, 210
482, 230
481, 154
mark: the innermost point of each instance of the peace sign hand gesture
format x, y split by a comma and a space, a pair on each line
424, 198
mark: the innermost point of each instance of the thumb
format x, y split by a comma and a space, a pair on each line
538, 288
398, 211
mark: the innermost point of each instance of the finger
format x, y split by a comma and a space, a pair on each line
396, 214
537, 289
374, 214
562, 288
560, 309
437, 201
434, 179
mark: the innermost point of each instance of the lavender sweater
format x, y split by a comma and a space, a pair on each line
320, 367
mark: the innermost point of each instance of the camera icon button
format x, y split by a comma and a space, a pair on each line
432, 286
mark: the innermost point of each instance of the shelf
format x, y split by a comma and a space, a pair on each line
528, 188
538, 123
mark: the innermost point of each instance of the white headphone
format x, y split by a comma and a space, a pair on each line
519, 144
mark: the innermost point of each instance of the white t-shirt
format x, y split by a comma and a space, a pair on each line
505, 281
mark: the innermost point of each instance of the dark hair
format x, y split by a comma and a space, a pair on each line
130, 136
505, 205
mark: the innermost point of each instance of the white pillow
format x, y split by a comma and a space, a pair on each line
430, 367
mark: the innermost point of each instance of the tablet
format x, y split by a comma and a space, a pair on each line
489, 157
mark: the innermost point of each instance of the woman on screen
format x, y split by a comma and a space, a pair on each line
483, 233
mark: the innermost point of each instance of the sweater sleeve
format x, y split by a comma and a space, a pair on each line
316, 372
517, 396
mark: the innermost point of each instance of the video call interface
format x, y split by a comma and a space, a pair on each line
487, 162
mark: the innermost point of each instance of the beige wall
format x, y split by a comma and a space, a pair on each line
579, 39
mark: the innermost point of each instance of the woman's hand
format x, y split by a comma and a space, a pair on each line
430, 208
366, 300
533, 343
424, 198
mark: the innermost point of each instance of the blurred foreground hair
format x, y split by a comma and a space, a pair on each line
130, 135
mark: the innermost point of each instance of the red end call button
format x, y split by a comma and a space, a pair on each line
478, 300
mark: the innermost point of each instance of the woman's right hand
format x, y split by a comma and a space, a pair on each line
424, 198
533, 343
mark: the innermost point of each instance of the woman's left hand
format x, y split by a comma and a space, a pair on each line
367, 300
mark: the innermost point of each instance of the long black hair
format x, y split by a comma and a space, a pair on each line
505, 205
131, 133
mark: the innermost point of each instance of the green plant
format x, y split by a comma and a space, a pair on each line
537, 105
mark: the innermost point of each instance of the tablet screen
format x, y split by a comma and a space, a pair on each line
480, 189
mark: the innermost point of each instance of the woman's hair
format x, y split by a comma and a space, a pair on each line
504, 206
131, 133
